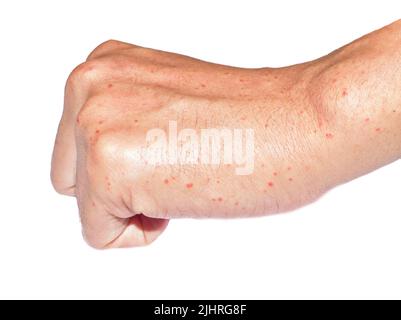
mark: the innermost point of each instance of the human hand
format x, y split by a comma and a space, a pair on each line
304, 124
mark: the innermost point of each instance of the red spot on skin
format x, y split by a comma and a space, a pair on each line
345, 92
378, 129
219, 199
334, 80
290, 179
367, 119
270, 184
275, 174
189, 185
77, 120
218, 181
203, 85
97, 131
241, 80
173, 178
236, 204
109, 86
329, 136
289, 168
93, 204
165, 181
243, 118
301, 113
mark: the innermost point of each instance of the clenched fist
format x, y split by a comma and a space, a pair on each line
148, 135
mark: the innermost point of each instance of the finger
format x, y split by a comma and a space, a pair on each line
63, 170
104, 230
64, 153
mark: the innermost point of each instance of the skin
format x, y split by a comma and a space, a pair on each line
317, 125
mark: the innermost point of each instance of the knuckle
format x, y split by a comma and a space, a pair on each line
86, 72
103, 152
104, 147
110, 43
106, 47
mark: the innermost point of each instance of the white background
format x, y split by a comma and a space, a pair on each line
347, 245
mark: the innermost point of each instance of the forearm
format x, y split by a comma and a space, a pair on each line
316, 125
